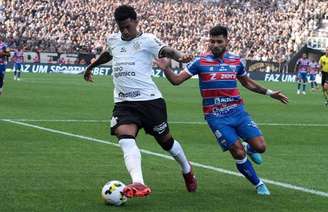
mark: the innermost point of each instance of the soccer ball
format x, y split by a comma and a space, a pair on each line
112, 193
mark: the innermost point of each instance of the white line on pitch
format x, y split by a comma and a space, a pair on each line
284, 185
171, 122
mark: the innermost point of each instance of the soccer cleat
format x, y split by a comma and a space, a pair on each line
326, 103
190, 181
303, 92
298, 92
262, 190
136, 190
256, 157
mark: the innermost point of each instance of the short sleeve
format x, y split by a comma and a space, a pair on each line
193, 67
241, 68
153, 45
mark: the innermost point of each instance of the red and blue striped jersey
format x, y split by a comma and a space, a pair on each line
218, 82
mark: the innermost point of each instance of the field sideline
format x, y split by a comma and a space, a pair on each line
46, 167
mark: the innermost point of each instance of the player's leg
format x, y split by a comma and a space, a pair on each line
132, 158
312, 80
304, 81
228, 139
299, 82
245, 167
19, 70
174, 148
125, 126
324, 84
2, 76
248, 130
154, 120
15, 72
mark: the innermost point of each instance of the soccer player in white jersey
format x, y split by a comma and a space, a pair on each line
138, 102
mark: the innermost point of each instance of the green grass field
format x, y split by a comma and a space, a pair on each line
54, 159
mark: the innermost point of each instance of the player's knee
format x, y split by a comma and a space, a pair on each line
165, 142
261, 148
238, 152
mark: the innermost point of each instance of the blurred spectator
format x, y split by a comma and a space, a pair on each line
260, 29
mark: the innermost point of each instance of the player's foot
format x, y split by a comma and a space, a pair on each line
326, 103
255, 156
18, 79
298, 92
303, 92
136, 190
262, 190
190, 181
15, 78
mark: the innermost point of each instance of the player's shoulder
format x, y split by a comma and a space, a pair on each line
231, 56
113, 37
147, 35
233, 59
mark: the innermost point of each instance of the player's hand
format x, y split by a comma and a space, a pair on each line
88, 75
279, 96
186, 58
162, 63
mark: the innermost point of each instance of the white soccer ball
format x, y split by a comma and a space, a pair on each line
112, 193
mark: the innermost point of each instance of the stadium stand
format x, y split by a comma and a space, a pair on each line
267, 30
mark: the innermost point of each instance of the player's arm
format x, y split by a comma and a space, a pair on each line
174, 79
253, 86
175, 55
5, 52
104, 57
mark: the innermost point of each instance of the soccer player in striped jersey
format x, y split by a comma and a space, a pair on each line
313, 71
18, 59
218, 72
302, 68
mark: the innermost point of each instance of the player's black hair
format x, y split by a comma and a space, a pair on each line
124, 12
219, 30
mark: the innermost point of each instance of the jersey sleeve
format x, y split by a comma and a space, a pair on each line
241, 68
109, 43
154, 45
192, 68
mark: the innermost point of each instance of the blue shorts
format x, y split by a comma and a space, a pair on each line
18, 66
2, 69
228, 130
312, 77
302, 76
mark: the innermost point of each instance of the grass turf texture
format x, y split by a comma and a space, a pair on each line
43, 171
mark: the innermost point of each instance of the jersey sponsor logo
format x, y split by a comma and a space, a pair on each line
223, 100
123, 49
131, 94
160, 128
118, 71
125, 74
218, 76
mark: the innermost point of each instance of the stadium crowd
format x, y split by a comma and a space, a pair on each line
269, 30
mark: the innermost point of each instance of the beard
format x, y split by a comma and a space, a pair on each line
218, 51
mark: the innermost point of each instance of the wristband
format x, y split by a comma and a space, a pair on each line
268, 92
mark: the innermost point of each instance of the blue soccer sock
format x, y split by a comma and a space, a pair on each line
245, 167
